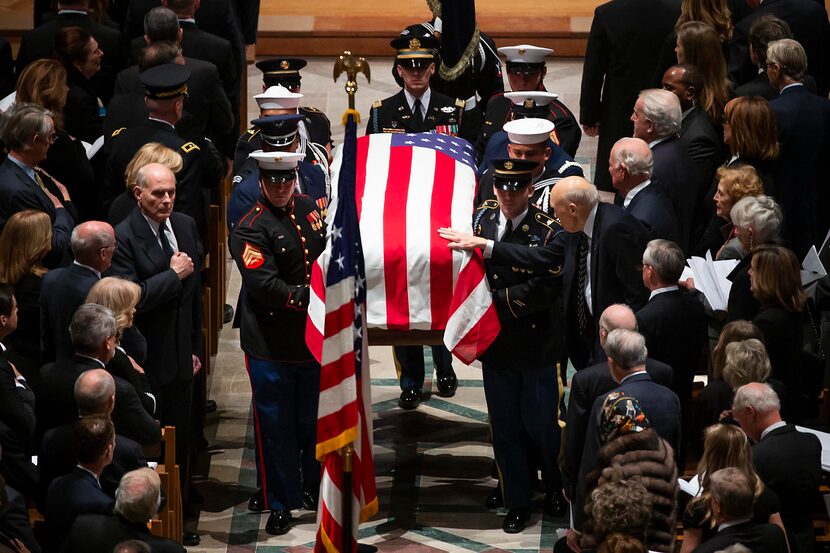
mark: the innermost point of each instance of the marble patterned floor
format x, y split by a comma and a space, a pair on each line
432, 464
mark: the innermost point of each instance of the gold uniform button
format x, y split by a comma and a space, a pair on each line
282, 250
298, 227
302, 238
308, 263
306, 251
292, 216
291, 302
271, 313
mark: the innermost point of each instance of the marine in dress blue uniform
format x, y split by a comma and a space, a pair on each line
275, 245
520, 368
528, 139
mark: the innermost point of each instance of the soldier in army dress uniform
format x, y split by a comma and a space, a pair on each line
417, 108
274, 246
526, 72
520, 368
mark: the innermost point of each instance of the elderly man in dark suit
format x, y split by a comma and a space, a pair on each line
626, 350
93, 338
657, 120
79, 492
804, 133
601, 255
58, 449
731, 504
788, 461
762, 32
630, 167
38, 43
592, 382
810, 27
136, 502
28, 132
66, 288
623, 48
160, 250
673, 322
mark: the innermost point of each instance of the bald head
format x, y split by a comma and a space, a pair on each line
93, 244
616, 316
572, 200
95, 393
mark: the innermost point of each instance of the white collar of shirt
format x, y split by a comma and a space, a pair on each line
588, 229
96, 271
187, 20
731, 523
626, 377
82, 12
790, 86
772, 427
163, 121
30, 171
93, 358
503, 223
634, 191
171, 236
410, 100
90, 472
663, 290
687, 112
656, 141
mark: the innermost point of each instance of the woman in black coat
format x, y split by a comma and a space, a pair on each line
81, 56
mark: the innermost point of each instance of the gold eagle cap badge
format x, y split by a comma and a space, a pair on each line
414, 44
284, 64
522, 51
508, 165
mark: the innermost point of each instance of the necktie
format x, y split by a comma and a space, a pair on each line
581, 281
39, 182
165, 244
416, 113
508, 230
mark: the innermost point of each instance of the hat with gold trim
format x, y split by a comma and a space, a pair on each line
513, 174
530, 103
281, 71
278, 130
166, 81
277, 167
416, 48
524, 59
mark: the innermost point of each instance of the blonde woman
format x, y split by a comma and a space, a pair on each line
152, 152
122, 296
24, 243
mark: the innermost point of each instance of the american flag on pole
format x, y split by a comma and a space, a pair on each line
407, 187
335, 335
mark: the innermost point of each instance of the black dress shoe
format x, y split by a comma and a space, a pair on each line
279, 522
410, 399
210, 406
189, 539
257, 502
447, 384
227, 314
554, 504
310, 501
494, 499
515, 521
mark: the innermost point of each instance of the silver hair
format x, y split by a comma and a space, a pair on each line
746, 361
627, 348
732, 488
761, 213
22, 122
90, 326
138, 495
662, 108
790, 56
637, 165
762, 399
616, 316
667, 259
84, 248
585, 196
161, 23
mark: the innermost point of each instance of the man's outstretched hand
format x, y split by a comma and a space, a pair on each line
461, 241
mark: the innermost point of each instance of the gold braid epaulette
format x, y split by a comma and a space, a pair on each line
452, 73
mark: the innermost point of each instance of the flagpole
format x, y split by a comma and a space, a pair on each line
347, 452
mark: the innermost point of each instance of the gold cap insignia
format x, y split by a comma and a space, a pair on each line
529, 103
252, 257
522, 51
414, 44
525, 228
284, 64
508, 165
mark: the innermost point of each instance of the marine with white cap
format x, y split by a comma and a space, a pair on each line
275, 245
278, 100
526, 72
529, 139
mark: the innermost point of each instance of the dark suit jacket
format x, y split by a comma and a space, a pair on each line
170, 311
810, 27
804, 133
16, 466
783, 338
622, 51
6, 68
675, 171
586, 386
759, 86
73, 494
702, 141
741, 303
15, 521
58, 455
653, 209
759, 538
101, 533
18, 192
63, 291
39, 43
17, 406
57, 401
24, 342
82, 118
619, 241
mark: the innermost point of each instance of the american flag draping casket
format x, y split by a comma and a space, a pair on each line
407, 187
